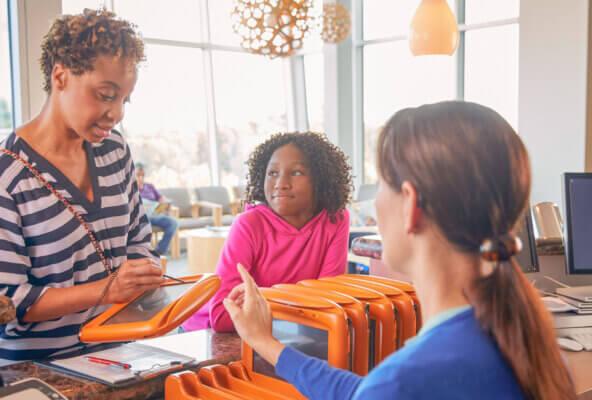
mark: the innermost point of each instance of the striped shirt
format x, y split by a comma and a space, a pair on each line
43, 246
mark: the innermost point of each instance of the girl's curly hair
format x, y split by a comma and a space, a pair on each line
77, 40
330, 170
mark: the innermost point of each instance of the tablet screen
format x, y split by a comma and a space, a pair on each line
149, 304
311, 341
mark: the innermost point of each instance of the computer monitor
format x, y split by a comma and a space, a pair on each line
577, 200
527, 258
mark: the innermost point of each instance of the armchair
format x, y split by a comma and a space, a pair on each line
215, 201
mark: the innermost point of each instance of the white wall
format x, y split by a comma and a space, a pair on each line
552, 90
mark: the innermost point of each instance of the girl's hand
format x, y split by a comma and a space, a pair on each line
133, 278
251, 316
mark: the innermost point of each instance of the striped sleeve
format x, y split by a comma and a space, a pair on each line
140, 231
14, 261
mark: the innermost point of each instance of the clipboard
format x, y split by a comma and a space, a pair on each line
153, 313
146, 362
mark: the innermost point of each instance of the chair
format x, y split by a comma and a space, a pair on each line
239, 196
362, 211
362, 220
215, 201
186, 211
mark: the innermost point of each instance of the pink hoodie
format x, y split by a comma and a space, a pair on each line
273, 251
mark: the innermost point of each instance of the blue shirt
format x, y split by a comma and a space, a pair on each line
452, 358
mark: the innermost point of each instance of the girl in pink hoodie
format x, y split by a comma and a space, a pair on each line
295, 225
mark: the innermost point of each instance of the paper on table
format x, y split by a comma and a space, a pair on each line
143, 359
195, 344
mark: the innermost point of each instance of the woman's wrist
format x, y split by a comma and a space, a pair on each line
105, 290
269, 348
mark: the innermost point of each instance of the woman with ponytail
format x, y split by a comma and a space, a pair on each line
454, 182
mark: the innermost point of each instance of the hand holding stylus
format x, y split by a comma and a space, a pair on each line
251, 316
134, 277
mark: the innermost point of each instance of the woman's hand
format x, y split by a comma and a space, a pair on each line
133, 278
251, 316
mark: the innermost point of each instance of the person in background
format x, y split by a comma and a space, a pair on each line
447, 219
296, 224
157, 205
74, 237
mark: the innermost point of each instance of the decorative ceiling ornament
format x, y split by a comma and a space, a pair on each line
433, 29
275, 28
335, 23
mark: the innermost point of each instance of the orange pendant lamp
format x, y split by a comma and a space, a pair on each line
433, 29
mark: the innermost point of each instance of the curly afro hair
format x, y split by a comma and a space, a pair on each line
76, 41
330, 170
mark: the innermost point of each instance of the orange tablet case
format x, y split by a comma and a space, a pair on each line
326, 304
317, 313
382, 340
404, 286
403, 304
239, 380
167, 319
357, 314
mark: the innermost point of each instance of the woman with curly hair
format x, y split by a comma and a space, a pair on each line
295, 226
73, 233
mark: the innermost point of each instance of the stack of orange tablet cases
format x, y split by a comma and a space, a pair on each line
381, 313
350, 319
252, 378
404, 286
403, 304
358, 317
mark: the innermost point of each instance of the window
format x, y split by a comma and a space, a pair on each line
181, 23
169, 121
491, 69
5, 78
382, 19
485, 70
221, 32
77, 6
249, 108
315, 91
165, 121
479, 11
394, 79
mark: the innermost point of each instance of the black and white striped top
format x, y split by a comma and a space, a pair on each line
42, 245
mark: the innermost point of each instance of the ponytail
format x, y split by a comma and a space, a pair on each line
508, 307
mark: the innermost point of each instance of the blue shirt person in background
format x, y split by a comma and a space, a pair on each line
152, 200
447, 220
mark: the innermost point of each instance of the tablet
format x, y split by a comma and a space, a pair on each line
152, 313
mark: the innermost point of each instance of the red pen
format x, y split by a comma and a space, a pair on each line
104, 361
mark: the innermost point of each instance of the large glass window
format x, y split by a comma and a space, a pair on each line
165, 122
383, 19
181, 22
315, 91
5, 80
250, 106
491, 69
221, 31
478, 11
77, 6
394, 79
